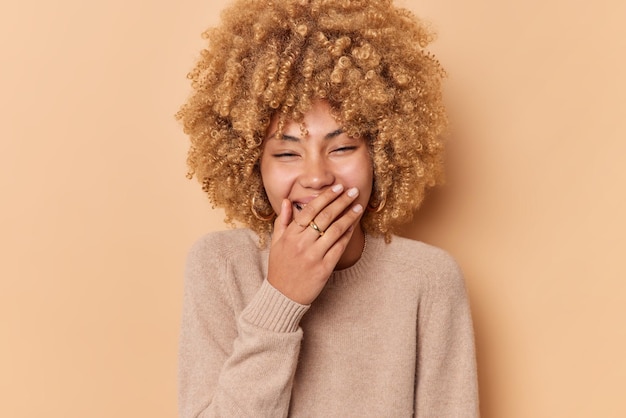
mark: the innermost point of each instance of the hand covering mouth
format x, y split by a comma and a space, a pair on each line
302, 202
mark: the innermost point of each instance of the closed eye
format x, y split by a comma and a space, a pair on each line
285, 155
345, 149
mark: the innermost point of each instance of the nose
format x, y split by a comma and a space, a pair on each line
316, 174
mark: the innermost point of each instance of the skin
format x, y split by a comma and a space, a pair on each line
319, 175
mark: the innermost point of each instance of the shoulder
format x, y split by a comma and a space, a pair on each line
224, 244
406, 251
218, 259
435, 266
216, 251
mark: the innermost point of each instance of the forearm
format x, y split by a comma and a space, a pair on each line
250, 375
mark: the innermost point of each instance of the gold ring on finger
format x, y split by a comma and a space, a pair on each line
313, 225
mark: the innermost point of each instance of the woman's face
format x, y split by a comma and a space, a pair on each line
299, 167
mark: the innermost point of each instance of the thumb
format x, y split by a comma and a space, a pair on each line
283, 219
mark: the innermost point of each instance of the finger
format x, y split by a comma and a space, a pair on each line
334, 253
335, 209
338, 248
285, 213
311, 210
343, 224
282, 220
319, 231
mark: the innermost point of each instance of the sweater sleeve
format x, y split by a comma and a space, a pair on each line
446, 362
235, 364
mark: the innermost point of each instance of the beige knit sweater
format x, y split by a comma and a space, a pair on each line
390, 336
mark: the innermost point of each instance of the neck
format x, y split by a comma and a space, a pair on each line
353, 251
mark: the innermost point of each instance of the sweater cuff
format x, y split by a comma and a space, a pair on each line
271, 310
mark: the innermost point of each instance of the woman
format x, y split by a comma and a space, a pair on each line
317, 125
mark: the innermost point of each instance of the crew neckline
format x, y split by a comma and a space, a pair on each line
363, 265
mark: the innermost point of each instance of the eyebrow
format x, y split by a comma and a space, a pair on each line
290, 138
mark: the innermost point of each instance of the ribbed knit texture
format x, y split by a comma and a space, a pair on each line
271, 310
390, 336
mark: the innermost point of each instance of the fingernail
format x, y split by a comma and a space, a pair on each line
353, 192
357, 208
337, 188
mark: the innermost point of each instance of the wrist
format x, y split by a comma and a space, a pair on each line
272, 310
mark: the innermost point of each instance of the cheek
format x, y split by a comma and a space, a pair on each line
366, 188
360, 174
367, 178
276, 185
365, 170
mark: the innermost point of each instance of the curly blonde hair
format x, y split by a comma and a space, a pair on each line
365, 57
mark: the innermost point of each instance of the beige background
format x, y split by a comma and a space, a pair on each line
97, 215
